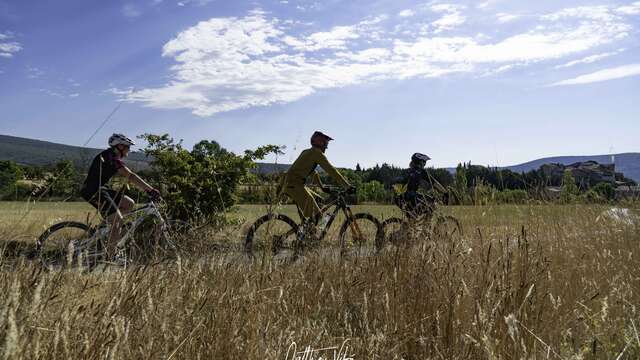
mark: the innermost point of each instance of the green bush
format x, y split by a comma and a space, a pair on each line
605, 190
201, 183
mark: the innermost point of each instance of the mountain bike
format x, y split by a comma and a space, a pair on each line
147, 234
278, 235
425, 222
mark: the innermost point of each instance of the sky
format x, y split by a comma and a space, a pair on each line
493, 82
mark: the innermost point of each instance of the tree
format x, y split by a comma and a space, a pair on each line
65, 181
569, 189
372, 191
605, 190
10, 173
358, 168
201, 183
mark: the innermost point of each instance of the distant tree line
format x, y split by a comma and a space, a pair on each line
191, 178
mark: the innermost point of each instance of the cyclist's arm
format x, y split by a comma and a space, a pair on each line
134, 179
324, 164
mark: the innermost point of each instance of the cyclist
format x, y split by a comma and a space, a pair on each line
95, 188
305, 166
412, 202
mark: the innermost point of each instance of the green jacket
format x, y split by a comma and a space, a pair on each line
305, 166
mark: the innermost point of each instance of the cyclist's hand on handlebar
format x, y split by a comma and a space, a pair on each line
154, 194
351, 190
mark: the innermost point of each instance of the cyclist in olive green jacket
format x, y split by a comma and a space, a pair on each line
305, 166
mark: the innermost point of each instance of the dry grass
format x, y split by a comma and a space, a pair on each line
525, 282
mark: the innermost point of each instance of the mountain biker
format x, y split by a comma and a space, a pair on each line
305, 166
412, 202
95, 188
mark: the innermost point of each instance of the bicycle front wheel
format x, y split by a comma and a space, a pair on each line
360, 235
68, 243
271, 235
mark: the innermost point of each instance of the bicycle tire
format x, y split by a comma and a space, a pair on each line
373, 235
281, 225
59, 255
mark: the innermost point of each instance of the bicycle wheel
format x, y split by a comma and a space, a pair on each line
392, 228
154, 239
68, 243
271, 235
360, 235
445, 228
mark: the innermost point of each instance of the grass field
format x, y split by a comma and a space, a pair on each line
531, 282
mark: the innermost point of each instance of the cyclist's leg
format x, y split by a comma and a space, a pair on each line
307, 205
114, 217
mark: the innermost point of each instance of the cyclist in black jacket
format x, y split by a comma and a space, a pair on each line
412, 202
96, 191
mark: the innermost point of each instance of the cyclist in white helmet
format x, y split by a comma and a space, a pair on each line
412, 201
95, 189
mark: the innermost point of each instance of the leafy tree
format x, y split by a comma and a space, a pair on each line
373, 191
605, 190
10, 173
203, 182
569, 189
64, 181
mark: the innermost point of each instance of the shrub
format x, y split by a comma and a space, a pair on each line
512, 197
201, 183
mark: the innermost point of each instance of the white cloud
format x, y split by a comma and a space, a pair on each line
505, 18
194, 2
602, 75
231, 63
631, 9
452, 19
406, 13
8, 48
589, 59
130, 10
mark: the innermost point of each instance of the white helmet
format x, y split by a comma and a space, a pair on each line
420, 157
119, 139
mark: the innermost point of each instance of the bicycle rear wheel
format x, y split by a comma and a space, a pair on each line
270, 236
68, 244
360, 235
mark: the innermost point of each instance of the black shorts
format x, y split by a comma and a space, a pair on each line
104, 201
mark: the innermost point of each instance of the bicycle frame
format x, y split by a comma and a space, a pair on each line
338, 203
136, 218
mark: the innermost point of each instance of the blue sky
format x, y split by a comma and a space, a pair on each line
493, 82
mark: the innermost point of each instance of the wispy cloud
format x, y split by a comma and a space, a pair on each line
231, 63
631, 9
406, 13
8, 47
34, 72
589, 59
603, 75
130, 10
194, 2
505, 17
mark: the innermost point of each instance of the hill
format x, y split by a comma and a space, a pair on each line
37, 152
626, 163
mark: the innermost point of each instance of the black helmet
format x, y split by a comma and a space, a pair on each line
420, 157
